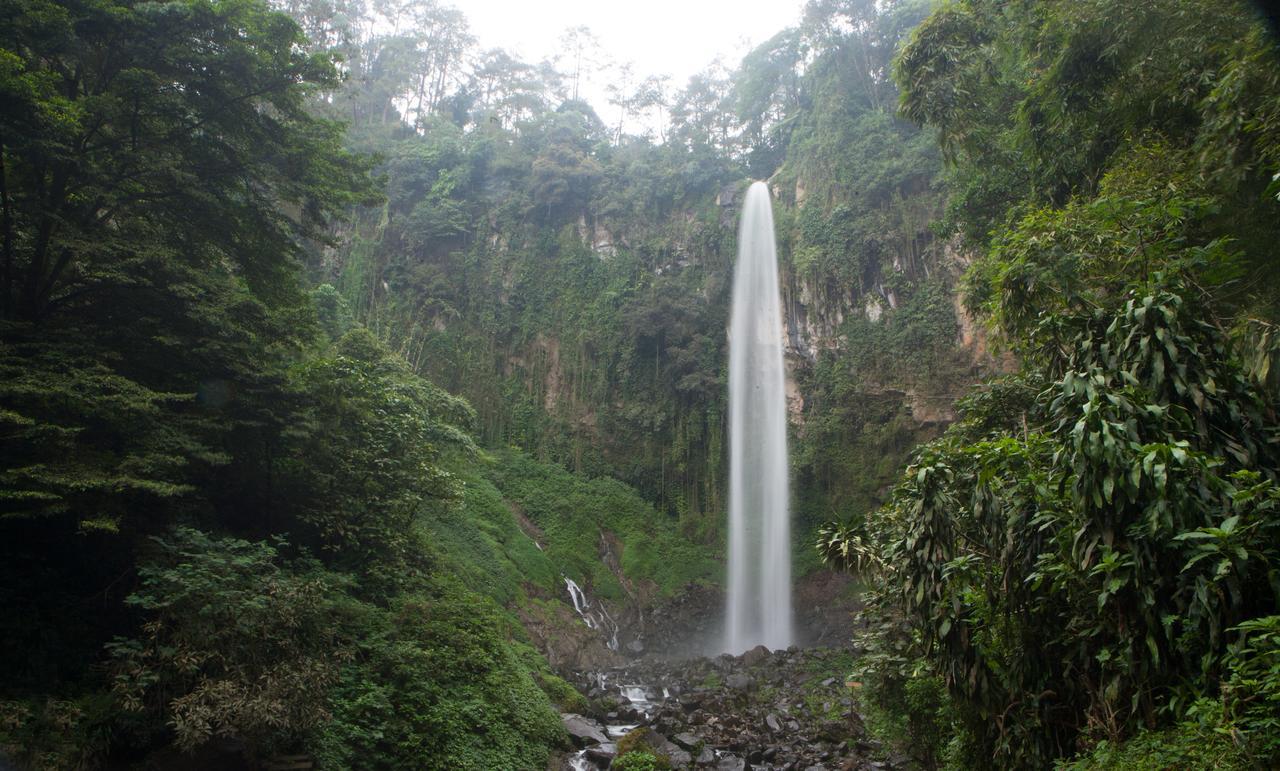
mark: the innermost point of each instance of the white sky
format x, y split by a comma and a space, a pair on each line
672, 37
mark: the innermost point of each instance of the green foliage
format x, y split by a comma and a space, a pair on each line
590, 522
904, 703
61, 407
562, 694
1236, 730
643, 749
120, 135
1082, 556
44, 733
435, 683
233, 645
1033, 102
1118, 527
1185, 746
639, 761
1251, 692
483, 542
366, 449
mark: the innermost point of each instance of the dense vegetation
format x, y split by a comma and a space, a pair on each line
1090, 555
230, 513
570, 276
332, 345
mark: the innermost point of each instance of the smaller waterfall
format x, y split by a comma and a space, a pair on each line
598, 619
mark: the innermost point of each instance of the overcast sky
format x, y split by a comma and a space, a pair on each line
672, 37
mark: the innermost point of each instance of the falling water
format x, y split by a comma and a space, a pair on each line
759, 609
600, 620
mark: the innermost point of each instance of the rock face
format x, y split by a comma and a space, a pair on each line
689, 624
796, 713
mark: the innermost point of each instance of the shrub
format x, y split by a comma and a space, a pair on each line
234, 645
639, 761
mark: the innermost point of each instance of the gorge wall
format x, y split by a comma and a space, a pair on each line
574, 286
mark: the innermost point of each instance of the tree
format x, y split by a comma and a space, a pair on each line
364, 455
582, 53
184, 125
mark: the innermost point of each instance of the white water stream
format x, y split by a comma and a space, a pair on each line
759, 602
597, 619
641, 698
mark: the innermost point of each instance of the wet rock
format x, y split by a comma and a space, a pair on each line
686, 740
602, 754
739, 682
754, 656
763, 715
583, 730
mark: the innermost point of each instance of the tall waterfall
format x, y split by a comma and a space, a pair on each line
759, 609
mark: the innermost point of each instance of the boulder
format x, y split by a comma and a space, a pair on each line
686, 740
583, 730
602, 754
755, 656
739, 682
647, 739
732, 763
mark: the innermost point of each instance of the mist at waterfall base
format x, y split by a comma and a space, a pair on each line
759, 599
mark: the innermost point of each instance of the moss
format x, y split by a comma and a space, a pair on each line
640, 761
562, 693
643, 741
581, 516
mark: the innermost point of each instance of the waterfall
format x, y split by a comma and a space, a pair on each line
599, 620
759, 602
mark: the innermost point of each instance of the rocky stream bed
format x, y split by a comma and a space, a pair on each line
786, 710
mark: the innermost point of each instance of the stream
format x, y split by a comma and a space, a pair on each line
786, 710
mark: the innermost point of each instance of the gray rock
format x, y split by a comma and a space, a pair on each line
706, 757
739, 682
635, 646
830, 681
773, 722
686, 740
583, 730
732, 763
755, 656
602, 753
